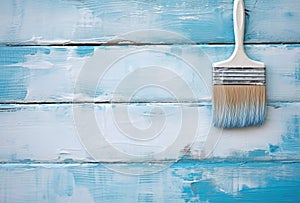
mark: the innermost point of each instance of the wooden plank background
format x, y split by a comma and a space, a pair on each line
49, 74
201, 21
99, 95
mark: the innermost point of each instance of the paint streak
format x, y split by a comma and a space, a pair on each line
291, 137
297, 71
83, 51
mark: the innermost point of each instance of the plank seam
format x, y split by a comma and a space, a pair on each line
204, 161
269, 103
142, 44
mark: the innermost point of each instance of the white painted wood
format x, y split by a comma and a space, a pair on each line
60, 74
141, 132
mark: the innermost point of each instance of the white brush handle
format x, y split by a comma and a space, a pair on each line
239, 57
239, 68
239, 25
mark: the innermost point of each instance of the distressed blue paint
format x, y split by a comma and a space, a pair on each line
13, 55
64, 183
297, 71
14, 75
84, 50
13, 78
53, 72
201, 21
237, 178
193, 26
258, 153
273, 148
187, 181
291, 138
61, 49
204, 189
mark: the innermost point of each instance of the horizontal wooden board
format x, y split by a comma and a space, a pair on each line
141, 132
180, 182
180, 73
171, 21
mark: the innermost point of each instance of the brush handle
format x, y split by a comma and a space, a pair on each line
239, 26
239, 58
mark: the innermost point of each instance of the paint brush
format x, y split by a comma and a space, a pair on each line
239, 91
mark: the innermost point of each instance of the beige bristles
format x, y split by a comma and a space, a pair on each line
236, 106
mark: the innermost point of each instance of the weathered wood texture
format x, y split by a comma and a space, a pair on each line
201, 21
141, 132
88, 123
60, 74
180, 182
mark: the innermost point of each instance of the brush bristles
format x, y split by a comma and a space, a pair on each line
237, 106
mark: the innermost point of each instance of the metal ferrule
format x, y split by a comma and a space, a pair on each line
239, 76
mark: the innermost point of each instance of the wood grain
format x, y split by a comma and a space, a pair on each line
202, 21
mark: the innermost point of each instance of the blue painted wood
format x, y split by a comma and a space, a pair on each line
202, 21
179, 182
60, 74
42, 152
